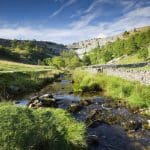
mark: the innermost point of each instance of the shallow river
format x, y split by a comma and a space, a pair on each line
110, 125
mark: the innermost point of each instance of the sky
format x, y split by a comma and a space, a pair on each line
68, 21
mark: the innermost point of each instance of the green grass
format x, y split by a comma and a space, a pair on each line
13, 66
25, 78
130, 60
145, 68
22, 128
13, 84
134, 93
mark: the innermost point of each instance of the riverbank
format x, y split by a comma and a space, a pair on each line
106, 120
39, 129
132, 93
57, 115
16, 83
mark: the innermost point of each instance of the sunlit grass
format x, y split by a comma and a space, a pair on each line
23, 128
130, 60
134, 93
13, 66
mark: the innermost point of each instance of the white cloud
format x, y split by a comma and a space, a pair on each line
81, 29
66, 4
84, 20
96, 3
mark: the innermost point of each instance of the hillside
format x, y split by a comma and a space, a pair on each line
86, 46
28, 51
13, 66
130, 47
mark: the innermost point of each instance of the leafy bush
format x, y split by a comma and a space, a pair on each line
143, 53
86, 60
67, 59
23, 129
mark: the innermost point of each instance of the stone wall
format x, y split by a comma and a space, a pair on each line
133, 75
125, 71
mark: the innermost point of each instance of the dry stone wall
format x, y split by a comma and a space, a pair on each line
125, 71
133, 75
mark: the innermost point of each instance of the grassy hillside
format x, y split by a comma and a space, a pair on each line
13, 66
135, 44
28, 51
17, 78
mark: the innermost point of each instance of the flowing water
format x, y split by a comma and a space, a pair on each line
110, 125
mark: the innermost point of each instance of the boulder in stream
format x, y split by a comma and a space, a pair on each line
46, 96
86, 102
74, 108
133, 125
93, 115
48, 102
93, 140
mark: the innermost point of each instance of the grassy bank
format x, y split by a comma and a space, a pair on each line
17, 78
16, 83
13, 66
23, 129
134, 93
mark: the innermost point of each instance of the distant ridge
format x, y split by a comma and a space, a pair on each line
87, 45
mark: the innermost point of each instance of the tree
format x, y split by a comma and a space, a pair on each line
143, 53
126, 33
58, 62
86, 60
107, 56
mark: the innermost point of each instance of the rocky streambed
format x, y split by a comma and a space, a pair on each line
110, 125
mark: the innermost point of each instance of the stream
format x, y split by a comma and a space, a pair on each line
110, 125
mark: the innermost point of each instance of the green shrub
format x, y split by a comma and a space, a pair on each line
24, 129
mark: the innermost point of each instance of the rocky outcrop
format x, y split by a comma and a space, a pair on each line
85, 46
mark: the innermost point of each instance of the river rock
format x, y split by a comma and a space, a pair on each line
46, 96
96, 123
133, 125
34, 98
71, 92
93, 115
93, 140
33, 105
146, 125
49, 102
74, 108
86, 102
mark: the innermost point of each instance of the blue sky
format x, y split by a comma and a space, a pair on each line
67, 21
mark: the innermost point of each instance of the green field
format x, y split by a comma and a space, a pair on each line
18, 78
13, 66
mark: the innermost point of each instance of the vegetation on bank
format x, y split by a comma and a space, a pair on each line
22, 128
131, 44
13, 66
135, 94
15, 83
26, 51
67, 59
